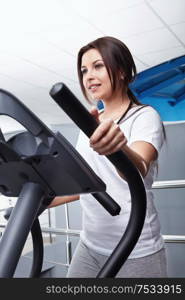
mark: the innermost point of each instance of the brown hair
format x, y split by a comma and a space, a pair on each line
117, 59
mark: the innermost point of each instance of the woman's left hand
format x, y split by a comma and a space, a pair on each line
108, 137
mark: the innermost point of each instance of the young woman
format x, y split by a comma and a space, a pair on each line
105, 69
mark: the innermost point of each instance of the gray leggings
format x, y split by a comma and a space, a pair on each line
87, 263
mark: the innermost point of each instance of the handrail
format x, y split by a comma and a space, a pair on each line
166, 184
174, 238
74, 232
60, 231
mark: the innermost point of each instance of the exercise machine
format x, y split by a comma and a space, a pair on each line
38, 164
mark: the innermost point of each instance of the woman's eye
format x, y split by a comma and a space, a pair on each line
98, 66
84, 71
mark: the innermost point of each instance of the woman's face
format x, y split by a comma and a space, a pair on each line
96, 80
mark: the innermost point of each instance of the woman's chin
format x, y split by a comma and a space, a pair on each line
95, 97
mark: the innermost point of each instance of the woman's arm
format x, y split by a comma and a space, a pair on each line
64, 199
142, 154
109, 138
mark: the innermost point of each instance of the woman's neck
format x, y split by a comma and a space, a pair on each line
115, 106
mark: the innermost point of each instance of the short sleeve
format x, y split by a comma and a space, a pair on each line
147, 126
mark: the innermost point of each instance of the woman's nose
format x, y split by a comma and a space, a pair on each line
90, 74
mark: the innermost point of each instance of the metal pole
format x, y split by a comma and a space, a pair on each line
68, 242
49, 223
18, 227
166, 184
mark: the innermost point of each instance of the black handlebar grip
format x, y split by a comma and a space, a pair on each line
108, 203
73, 107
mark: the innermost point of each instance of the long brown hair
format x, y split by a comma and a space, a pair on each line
117, 59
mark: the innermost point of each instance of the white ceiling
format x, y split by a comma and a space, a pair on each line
40, 39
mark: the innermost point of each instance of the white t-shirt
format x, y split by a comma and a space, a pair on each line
101, 231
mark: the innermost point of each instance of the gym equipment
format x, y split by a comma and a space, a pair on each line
36, 166
66, 100
55, 168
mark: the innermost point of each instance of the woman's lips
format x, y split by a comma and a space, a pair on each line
94, 87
